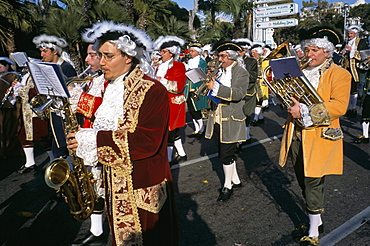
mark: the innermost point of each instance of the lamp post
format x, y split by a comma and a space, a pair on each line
345, 15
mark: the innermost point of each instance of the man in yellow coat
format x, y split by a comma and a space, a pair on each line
316, 144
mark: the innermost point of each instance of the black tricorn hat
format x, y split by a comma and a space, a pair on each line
321, 32
226, 45
195, 45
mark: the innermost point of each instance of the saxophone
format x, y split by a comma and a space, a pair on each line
75, 185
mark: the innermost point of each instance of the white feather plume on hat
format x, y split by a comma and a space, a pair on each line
99, 29
354, 28
243, 42
47, 41
168, 39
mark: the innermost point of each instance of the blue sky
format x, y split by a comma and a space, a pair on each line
189, 4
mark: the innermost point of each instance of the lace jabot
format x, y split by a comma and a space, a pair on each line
107, 117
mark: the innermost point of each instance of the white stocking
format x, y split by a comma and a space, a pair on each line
30, 159
248, 131
365, 129
228, 171
169, 153
96, 227
201, 126
315, 222
196, 126
235, 178
179, 148
257, 112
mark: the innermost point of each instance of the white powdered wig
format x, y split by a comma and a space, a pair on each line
173, 45
133, 42
52, 42
323, 43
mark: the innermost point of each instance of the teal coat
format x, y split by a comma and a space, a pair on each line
191, 87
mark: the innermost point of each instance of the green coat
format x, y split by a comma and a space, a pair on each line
191, 87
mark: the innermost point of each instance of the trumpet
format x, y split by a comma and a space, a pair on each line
203, 89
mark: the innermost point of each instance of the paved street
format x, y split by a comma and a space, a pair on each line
263, 212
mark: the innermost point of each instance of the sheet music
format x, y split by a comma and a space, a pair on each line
196, 75
46, 79
285, 67
20, 58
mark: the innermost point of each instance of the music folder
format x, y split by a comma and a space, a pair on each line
364, 54
48, 79
20, 58
285, 67
196, 75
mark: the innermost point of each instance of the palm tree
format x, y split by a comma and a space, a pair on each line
169, 26
211, 6
149, 10
14, 16
239, 9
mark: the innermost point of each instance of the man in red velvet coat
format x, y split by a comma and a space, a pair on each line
171, 74
129, 137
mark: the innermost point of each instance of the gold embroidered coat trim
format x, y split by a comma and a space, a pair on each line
126, 221
152, 198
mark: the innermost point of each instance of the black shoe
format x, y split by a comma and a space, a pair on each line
225, 194
361, 139
178, 159
25, 169
90, 240
302, 231
254, 123
261, 121
195, 134
237, 186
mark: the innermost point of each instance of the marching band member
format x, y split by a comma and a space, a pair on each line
8, 111
195, 106
251, 65
351, 58
129, 137
316, 148
88, 100
171, 74
262, 94
226, 120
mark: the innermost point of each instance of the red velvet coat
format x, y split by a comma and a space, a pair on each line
138, 179
176, 73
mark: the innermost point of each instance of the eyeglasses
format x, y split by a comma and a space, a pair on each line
107, 57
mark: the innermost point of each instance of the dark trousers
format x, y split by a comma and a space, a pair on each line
195, 114
226, 151
312, 188
173, 136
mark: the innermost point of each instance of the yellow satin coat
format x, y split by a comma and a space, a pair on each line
322, 156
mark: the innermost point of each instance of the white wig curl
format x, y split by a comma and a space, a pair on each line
323, 43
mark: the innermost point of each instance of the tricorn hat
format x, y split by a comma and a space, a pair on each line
51, 42
320, 32
226, 45
243, 42
172, 43
7, 60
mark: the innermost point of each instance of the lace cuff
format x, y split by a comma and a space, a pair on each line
306, 118
87, 146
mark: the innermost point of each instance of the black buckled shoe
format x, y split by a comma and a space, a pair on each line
361, 139
237, 186
225, 194
178, 159
90, 240
25, 169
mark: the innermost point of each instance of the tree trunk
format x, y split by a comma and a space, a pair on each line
10, 42
192, 13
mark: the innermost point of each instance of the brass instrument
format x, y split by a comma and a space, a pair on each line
75, 185
203, 89
298, 87
364, 64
